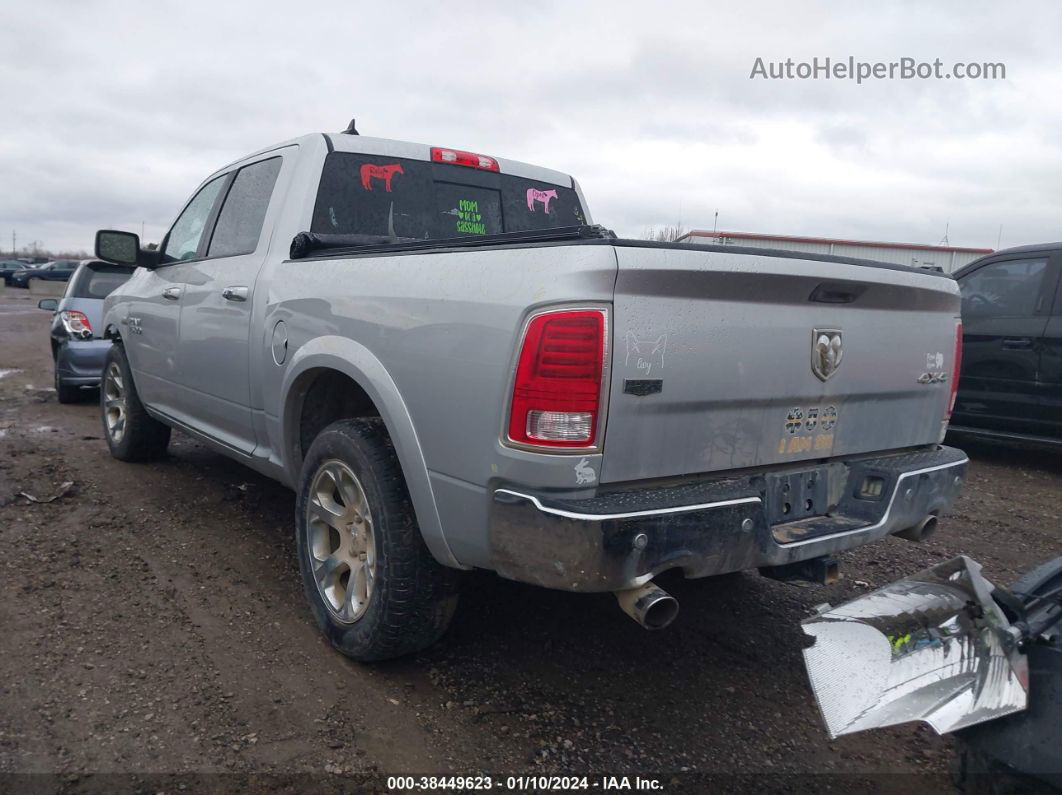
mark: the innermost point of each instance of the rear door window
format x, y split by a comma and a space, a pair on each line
240, 222
419, 200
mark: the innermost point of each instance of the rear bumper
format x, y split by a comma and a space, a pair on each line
622, 539
80, 362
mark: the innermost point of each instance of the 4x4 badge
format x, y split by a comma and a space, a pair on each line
827, 350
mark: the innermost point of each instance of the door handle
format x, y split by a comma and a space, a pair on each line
1017, 343
172, 293
236, 293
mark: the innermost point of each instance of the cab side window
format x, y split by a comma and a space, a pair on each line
183, 241
1010, 288
240, 223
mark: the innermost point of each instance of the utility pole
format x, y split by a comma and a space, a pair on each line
14, 250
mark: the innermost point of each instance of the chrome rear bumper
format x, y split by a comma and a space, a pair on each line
622, 539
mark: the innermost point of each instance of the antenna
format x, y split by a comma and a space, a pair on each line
350, 129
944, 240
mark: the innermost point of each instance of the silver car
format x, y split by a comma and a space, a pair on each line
78, 346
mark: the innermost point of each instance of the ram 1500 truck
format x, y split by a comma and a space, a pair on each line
454, 369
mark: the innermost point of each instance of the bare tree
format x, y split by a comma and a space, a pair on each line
35, 250
667, 234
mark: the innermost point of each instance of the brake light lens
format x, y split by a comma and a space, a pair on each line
469, 159
75, 323
956, 368
557, 393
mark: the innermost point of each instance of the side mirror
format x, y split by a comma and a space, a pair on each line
124, 249
51, 304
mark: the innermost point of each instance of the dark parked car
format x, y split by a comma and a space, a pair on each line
1011, 382
78, 348
57, 271
10, 266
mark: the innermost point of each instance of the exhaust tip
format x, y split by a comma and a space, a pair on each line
661, 612
649, 605
920, 531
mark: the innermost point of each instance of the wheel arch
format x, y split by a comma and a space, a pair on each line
376, 394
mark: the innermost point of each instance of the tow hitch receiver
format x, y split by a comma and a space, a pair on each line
823, 570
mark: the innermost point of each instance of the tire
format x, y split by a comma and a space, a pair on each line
382, 594
131, 434
65, 392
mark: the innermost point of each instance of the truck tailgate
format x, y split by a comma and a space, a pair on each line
715, 357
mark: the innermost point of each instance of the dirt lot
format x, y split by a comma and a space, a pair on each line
152, 623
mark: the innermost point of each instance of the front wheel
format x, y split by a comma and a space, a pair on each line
131, 433
375, 590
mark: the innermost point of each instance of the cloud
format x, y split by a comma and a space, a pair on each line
116, 111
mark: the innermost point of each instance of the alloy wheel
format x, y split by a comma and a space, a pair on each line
114, 402
340, 541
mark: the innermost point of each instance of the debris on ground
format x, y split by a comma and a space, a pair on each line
64, 489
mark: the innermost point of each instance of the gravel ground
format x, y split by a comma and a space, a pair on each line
152, 624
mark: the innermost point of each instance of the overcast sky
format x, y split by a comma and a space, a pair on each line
114, 112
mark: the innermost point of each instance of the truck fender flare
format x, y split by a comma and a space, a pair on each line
360, 365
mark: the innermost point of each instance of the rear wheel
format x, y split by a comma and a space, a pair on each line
132, 435
374, 588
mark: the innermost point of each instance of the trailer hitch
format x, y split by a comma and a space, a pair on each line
823, 570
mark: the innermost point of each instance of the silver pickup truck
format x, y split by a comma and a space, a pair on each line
454, 369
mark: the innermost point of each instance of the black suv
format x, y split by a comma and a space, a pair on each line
1011, 382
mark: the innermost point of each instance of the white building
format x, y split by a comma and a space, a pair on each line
948, 258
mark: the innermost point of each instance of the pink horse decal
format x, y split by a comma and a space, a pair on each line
370, 172
540, 195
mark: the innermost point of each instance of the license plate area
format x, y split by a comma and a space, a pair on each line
797, 495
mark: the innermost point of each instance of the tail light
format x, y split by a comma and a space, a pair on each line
956, 368
458, 158
557, 394
75, 323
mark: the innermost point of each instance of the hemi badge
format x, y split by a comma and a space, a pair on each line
643, 387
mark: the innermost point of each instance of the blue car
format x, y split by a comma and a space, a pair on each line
78, 348
58, 271
9, 267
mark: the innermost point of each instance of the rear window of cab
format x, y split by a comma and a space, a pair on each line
98, 280
419, 200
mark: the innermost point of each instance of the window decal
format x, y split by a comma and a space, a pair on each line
469, 218
543, 196
369, 172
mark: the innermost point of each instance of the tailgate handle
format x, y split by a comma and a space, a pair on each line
1017, 343
837, 293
